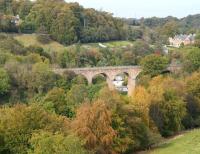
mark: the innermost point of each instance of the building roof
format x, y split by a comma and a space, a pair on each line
184, 37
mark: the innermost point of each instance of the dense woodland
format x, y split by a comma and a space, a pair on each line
70, 23
65, 22
45, 113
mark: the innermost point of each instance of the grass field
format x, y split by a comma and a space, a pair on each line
110, 44
187, 143
113, 44
30, 39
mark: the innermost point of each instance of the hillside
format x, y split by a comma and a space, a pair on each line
110, 53
30, 39
70, 23
67, 23
185, 143
75, 80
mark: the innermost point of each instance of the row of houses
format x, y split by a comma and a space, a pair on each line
184, 39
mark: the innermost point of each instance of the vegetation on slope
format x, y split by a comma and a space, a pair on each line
44, 112
188, 142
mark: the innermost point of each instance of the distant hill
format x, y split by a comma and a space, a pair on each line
191, 21
186, 24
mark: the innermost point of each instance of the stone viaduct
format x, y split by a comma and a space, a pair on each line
110, 73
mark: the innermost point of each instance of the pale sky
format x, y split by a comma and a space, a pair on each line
144, 8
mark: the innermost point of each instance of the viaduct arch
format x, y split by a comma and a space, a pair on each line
111, 73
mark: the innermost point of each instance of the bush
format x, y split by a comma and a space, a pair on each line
4, 81
192, 60
11, 45
43, 38
193, 99
46, 142
154, 65
39, 50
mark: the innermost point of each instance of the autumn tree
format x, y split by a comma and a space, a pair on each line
193, 100
142, 101
93, 124
168, 108
128, 123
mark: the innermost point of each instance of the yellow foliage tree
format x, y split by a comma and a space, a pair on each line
93, 124
141, 101
160, 84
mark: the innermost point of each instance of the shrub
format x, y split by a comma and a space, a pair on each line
4, 81
43, 38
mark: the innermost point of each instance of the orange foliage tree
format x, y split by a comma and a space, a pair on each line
93, 124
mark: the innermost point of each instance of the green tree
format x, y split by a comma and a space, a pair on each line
6, 6
134, 33
192, 60
22, 7
169, 29
41, 78
20, 121
63, 28
56, 101
193, 100
49, 143
172, 110
154, 65
197, 40
167, 107
77, 95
